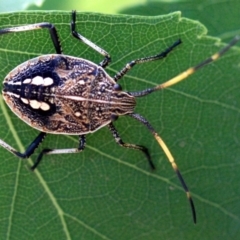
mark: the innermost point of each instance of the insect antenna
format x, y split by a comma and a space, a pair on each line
188, 72
192, 70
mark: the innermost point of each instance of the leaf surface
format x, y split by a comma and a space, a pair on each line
107, 192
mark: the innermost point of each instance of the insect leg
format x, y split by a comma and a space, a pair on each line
107, 58
30, 148
51, 28
46, 151
169, 156
132, 146
159, 56
188, 72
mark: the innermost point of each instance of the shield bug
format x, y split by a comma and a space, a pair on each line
62, 94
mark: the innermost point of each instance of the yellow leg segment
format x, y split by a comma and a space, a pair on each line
175, 167
169, 156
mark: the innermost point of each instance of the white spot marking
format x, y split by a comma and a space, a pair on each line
12, 94
35, 104
77, 114
51, 100
81, 82
14, 83
44, 106
37, 80
26, 81
47, 81
24, 100
52, 89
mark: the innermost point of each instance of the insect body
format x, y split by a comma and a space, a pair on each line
61, 94
65, 95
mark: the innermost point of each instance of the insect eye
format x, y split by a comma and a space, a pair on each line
117, 87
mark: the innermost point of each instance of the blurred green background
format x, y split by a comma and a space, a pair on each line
220, 16
103, 6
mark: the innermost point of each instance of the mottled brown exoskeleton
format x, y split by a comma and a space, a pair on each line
61, 94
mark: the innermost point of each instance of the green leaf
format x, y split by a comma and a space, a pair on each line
107, 192
220, 17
